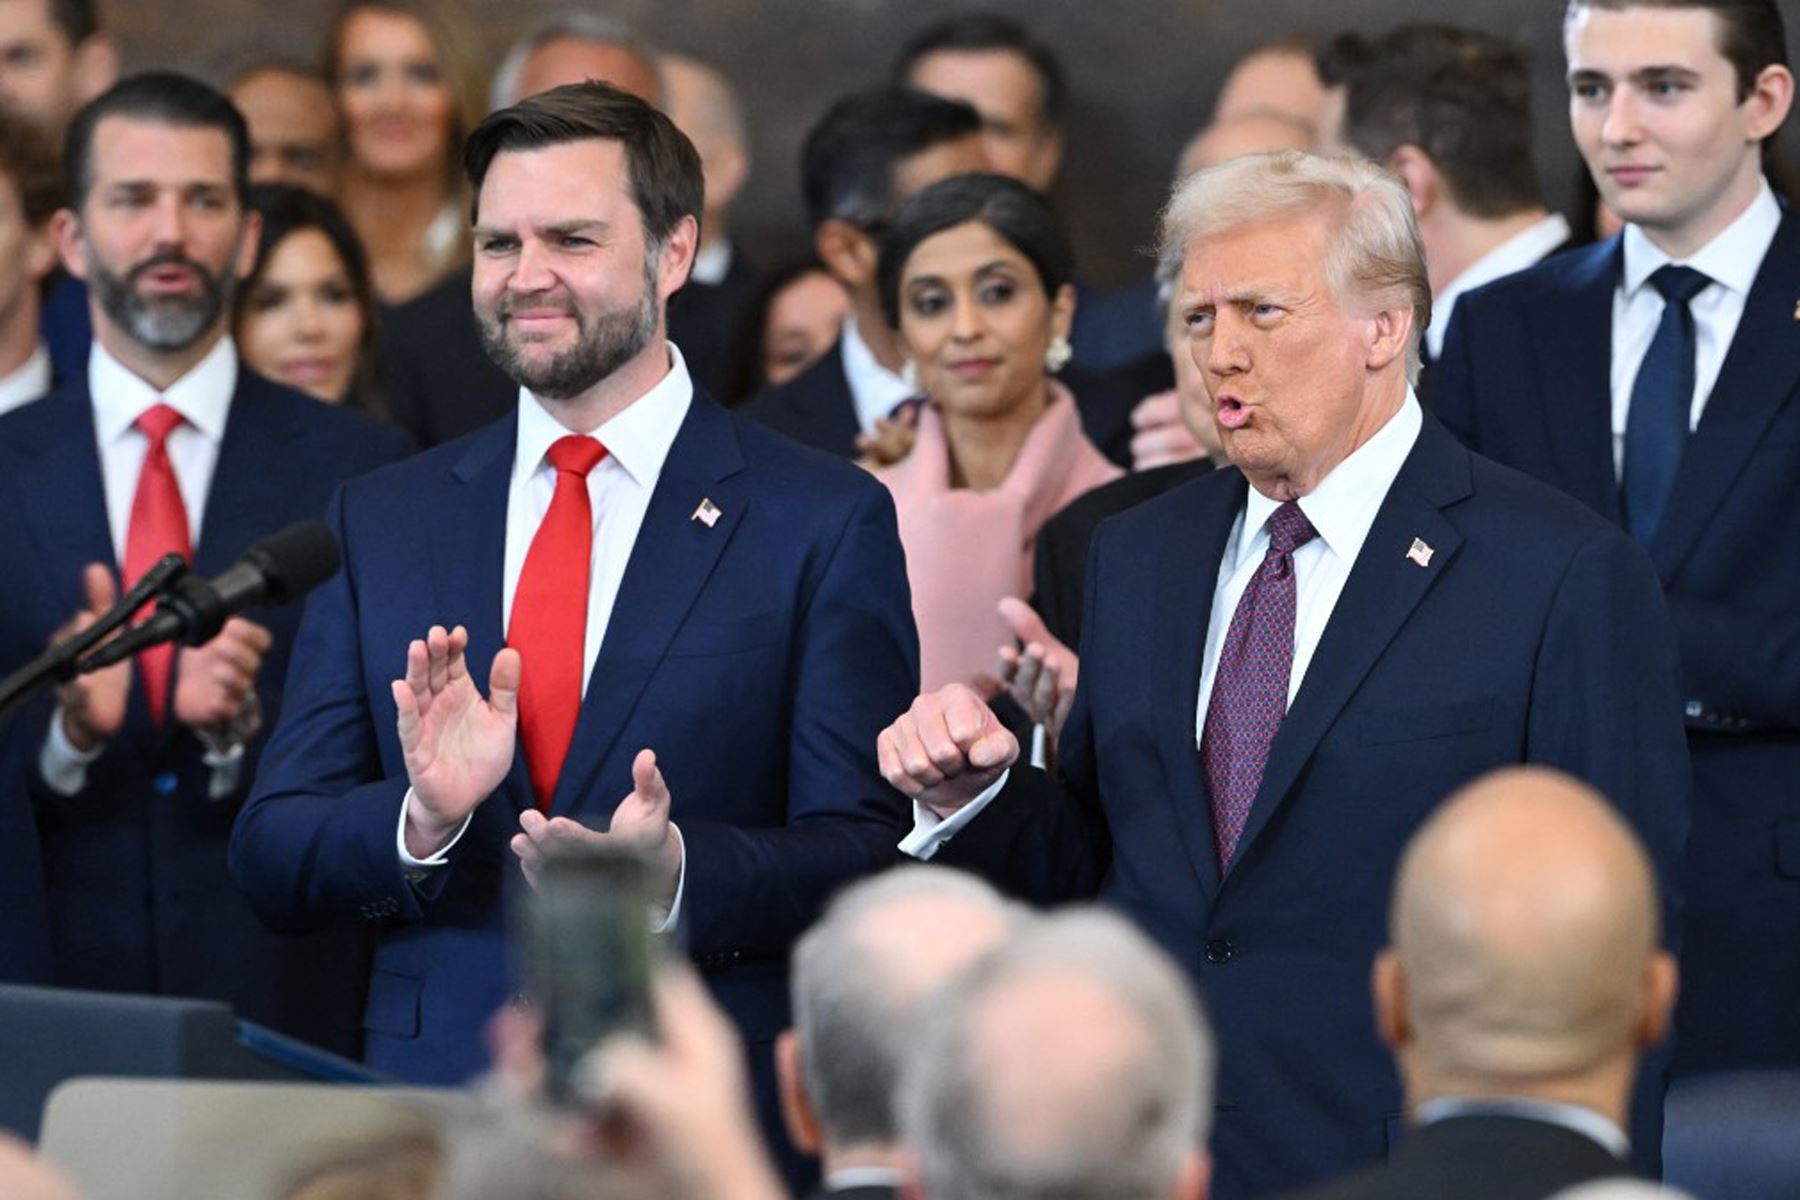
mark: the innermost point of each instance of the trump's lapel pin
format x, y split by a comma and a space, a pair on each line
1420, 553
708, 513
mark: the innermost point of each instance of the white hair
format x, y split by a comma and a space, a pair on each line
1375, 260
1620, 1189
572, 24
1119, 1132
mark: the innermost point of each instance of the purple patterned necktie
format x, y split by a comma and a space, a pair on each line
1250, 687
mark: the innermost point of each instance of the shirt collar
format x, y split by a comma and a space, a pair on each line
712, 264
31, 380
1732, 258
854, 1177
202, 396
638, 439
874, 389
1573, 1117
1344, 504
1523, 249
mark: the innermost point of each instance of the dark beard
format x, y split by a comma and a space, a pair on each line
166, 323
614, 338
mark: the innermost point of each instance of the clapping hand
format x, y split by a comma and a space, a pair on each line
458, 747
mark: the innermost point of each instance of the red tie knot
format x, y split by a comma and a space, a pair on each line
1289, 529
576, 453
158, 421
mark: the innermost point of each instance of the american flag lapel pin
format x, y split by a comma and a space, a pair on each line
1420, 553
708, 513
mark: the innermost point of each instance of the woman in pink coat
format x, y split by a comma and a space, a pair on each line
975, 274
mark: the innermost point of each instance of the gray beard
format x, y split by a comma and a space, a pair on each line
614, 338
163, 323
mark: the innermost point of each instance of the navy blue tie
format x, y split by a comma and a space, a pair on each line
1656, 428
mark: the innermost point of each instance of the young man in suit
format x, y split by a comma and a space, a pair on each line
1656, 377
1448, 111
1285, 667
691, 629
1521, 982
164, 443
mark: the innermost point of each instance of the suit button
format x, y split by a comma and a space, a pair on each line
165, 783
1218, 950
1694, 709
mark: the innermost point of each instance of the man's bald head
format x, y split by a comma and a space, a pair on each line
703, 105
1259, 131
1524, 935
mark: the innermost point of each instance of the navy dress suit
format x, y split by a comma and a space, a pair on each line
1525, 379
139, 897
1535, 634
759, 657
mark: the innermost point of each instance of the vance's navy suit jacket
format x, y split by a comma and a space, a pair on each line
139, 898
1526, 380
759, 657
1534, 633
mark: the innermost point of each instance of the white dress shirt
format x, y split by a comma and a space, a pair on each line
875, 390
1731, 260
29, 382
712, 263
203, 397
1342, 508
637, 443
1526, 248
1573, 1117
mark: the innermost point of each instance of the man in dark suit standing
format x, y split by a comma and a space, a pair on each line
1656, 377
691, 628
1388, 616
1521, 981
163, 443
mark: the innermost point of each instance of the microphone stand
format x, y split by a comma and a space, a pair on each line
62, 661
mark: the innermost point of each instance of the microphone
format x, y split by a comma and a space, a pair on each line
281, 568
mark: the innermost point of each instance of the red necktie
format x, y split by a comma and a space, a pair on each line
549, 616
159, 525
1250, 687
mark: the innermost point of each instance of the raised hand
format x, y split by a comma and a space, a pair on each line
1159, 438
1042, 676
93, 705
946, 749
458, 747
213, 682
641, 819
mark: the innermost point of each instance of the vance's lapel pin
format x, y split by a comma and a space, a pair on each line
708, 513
1420, 553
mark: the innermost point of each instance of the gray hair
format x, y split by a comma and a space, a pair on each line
1620, 1189
571, 24
1115, 1124
1375, 261
854, 1006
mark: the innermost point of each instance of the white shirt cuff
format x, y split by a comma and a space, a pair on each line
674, 915
1040, 747
63, 767
438, 859
227, 767
930, 831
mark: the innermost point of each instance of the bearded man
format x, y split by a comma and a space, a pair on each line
129, 779
690, 628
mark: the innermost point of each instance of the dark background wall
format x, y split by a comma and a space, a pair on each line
1143, 76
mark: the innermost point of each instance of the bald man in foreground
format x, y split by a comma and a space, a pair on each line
1523, 979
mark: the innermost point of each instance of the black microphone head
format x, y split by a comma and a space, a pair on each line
295, 560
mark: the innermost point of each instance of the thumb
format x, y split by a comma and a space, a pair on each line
102, 592
503, 683
1026, 625
646, 778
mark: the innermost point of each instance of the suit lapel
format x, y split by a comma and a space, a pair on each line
1576, 389
837, 407
1760, 372
468, 558
63, 499
670, 562
1383, 589
253, 481
1190, 568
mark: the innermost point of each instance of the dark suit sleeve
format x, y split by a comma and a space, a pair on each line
752, 891
1741, 664
315, 843
1453, 377
1047, 573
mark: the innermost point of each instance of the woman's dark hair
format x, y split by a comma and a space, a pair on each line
286, 211
744, 373
1018, 214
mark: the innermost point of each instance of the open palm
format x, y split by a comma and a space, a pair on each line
458, 746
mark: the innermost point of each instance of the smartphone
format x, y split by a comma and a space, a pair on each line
589, 956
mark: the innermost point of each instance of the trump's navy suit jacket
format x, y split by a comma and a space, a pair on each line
138, 894
1533, 632
758, 656
1526, 379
